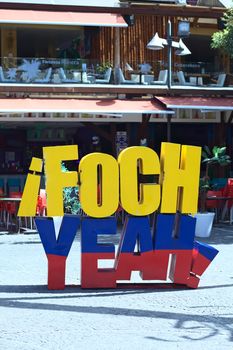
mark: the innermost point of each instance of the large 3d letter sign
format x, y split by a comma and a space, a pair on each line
166, 249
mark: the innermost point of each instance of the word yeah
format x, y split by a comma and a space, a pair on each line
117, 181
189, 259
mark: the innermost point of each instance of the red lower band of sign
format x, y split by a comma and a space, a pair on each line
200, 264
92, 276
152, 265
56, 271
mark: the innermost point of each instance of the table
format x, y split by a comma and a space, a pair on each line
198, 76
148, 78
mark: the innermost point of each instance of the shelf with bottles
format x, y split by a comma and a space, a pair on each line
183, 115
196, 115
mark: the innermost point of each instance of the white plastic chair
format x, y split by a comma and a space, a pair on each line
63, 77
220, 81
106, 79
182, 81
135, 77
162, 78
147, 78
77, 77
47, 77
85, 78
122, 79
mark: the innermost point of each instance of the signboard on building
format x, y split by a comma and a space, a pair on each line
121, 141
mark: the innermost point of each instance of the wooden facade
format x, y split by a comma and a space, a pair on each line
133, 42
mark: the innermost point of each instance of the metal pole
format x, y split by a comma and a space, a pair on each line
117, 54
169, 53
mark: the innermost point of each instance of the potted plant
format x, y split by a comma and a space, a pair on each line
71, 203
204, 218
70, 198
101, 69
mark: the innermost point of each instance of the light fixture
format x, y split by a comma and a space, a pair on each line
129, 19
128, 67
156, 43
182, 50
183, 28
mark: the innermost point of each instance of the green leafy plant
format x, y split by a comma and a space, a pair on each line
70, 197
223, 39
211, 157
101, 69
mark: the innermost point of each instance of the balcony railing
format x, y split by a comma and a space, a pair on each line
79, 71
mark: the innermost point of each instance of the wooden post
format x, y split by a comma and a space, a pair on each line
8, 47
113, 137
143, 129
169, 117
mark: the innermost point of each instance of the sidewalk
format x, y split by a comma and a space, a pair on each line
33, 318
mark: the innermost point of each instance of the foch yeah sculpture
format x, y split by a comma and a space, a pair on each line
104, 184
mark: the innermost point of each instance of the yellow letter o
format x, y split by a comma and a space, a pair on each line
99, 187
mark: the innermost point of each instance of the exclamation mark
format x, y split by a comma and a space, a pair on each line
203, 255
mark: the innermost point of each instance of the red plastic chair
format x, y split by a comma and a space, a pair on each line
41, 203
11, 209
15, 194
228, 192
2, 208
214, 203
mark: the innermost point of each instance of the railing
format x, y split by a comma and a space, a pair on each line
79, 71
194, 73
46, 70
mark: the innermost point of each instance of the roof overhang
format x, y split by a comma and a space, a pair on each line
127, 8
202, 103
64, 18
36, 105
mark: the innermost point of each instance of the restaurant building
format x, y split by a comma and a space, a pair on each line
83, 74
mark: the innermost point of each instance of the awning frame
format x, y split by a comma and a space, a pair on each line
81, 106
201, 103
60, 18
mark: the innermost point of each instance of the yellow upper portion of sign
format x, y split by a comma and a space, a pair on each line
106, 182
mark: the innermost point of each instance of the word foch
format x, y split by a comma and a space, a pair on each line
117, 181
104, 183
